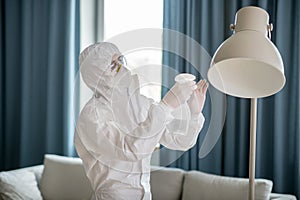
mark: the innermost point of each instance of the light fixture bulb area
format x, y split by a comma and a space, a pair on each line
248, 64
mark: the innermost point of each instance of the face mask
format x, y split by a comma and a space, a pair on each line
122, 79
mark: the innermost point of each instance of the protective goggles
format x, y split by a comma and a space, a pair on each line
118, 63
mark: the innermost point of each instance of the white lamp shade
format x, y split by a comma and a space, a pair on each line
248, 64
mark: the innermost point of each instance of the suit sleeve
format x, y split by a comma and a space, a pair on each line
185, 137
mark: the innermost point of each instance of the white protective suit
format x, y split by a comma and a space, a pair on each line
118, 128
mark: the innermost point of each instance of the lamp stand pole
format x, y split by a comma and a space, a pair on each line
252, 148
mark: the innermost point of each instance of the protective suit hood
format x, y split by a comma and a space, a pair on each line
95, 63
119, 91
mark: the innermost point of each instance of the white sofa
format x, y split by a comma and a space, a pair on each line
62, 178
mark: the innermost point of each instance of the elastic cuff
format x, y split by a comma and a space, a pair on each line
165, 106
198, 117
198, 121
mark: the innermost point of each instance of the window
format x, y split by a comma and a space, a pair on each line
103, 19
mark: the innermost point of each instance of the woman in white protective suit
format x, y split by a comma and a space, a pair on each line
118, 128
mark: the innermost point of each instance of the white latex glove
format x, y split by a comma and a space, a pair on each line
179, 94
197, 100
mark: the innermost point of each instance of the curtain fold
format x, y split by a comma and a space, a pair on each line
278, 122
39, 51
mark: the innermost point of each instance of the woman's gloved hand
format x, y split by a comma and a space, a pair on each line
179, 94
197, 100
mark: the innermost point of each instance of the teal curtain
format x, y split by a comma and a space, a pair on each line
278, 140
38, 56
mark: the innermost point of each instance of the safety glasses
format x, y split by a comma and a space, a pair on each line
118, 63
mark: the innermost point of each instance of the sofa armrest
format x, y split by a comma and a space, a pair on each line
275, 196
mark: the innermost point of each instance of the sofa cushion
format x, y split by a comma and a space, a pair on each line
64, 178
166, 183
202, 186
18, 185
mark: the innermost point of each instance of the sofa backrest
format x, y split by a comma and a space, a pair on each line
198, 185
166, 183
64, 178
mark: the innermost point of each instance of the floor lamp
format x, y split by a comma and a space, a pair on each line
248, 65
